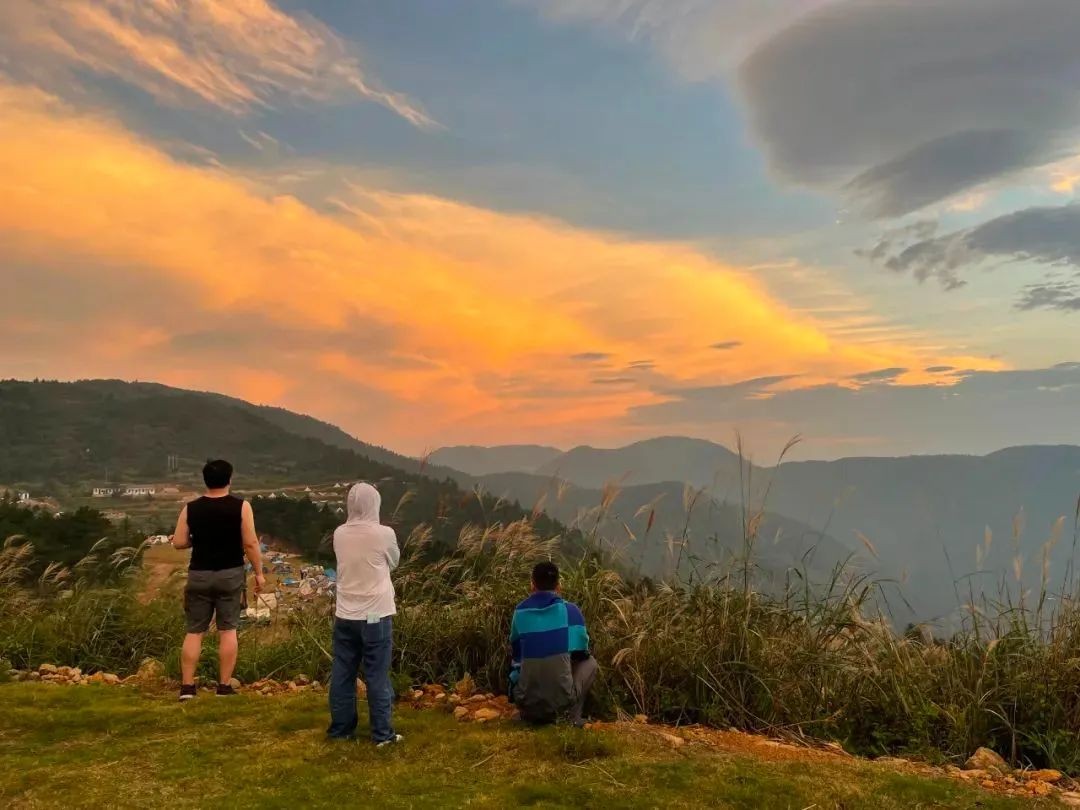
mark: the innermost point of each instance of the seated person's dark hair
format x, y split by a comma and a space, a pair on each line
545, 576
217, 473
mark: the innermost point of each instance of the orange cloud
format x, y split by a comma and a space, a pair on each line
482, 312
1065, 175
233, 54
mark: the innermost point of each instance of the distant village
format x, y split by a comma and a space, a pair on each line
333, 496
135, 491
20, 496
293, 580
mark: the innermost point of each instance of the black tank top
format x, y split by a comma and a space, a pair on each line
216, 540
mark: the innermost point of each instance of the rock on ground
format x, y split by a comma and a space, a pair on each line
1045, 775
465, 687
673, 740
149, 670
986, 760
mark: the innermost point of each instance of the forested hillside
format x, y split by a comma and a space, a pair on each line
59, 437
108, 430
67, 437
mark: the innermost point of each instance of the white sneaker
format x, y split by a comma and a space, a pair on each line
397, 738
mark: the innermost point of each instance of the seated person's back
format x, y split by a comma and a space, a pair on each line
552, 668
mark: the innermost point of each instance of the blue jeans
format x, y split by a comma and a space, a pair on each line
356, 642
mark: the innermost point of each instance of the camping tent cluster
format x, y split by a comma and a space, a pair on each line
316, 580
294, 581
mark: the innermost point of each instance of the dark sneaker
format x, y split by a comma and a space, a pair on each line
187, 691
224, 690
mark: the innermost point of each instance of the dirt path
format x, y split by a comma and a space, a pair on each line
157, 576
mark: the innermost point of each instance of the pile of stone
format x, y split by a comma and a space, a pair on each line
994, 773
73, 676
464, 701
270, 686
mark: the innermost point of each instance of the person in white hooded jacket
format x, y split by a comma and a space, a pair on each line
366, 553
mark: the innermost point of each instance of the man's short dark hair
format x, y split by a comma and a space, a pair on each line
545, 576
217, 473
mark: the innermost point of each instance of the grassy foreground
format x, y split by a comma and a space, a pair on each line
109, 747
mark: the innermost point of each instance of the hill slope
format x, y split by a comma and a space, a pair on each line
654, 530
667, 458
74, 435
99, 430
924, 516
62, 438
928, 515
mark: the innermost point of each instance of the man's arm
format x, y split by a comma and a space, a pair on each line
251, 544
579, 641
181, 537
393, 553
515, 640
515, 659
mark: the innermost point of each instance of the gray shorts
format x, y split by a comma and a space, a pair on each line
214, 594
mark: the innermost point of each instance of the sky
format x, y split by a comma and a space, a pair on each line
556, 221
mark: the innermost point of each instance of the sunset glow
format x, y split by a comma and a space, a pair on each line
411, 313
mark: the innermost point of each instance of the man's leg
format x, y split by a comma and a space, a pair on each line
584, 674
228, 601
343, 671
189, 657
378, 648
227, 647
198, 609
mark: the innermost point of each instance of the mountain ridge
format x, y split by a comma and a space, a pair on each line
923, 519
79, 433
479, 460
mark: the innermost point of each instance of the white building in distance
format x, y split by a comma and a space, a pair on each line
133, 491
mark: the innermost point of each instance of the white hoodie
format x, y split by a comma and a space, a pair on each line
366, 554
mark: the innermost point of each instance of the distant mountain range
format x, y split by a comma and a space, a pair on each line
64, 437
670, 507
476, 460
938, 525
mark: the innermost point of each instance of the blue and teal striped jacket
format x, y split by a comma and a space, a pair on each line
546, 633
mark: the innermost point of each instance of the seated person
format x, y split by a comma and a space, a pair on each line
552, 669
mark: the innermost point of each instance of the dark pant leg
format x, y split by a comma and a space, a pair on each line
198, 601
584, 674
378, 647
229, 589
348, 645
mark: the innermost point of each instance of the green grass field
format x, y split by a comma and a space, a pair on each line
110, 747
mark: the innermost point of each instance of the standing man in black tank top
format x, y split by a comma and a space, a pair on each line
220, 530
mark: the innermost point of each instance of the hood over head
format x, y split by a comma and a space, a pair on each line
363, 504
